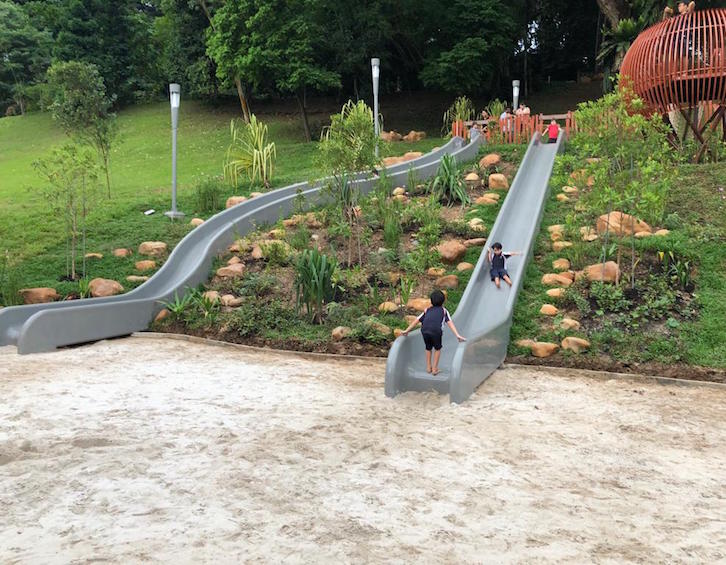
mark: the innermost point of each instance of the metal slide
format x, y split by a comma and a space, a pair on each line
484, 315
44, 327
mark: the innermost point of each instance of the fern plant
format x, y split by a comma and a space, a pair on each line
447, 185
315, 282
250, 154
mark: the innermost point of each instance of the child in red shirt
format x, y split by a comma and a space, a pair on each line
552, 131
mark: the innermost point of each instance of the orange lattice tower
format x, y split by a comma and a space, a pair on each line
679, 64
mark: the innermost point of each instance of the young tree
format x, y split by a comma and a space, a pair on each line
71, 174
24, 55
79, 104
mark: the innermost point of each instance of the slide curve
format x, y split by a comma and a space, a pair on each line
44, 327
484, 315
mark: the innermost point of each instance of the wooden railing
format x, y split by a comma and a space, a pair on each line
515, 129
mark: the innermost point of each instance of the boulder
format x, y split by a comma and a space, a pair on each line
234, 260
212, 295
605, 272
570, 189
392, 278
447, 281
527, 343
397, 332
255, 194
561, 265
402, 198
493, 195
413, 136
146, 265
475, 242
576, 344
391, 136
104, 287
568, 275
662, 232
234, 200
588, 233
549, 310
556, 292
410, 319
196, 222
276, 234
290, 222
390, 161
340, 333
497, 181
642, 234
39, 295
560, 245
476, 224
93, 256
382, 329
312, 220
231, 271
620, 223
489, 161
411, 155
556, 228
257, 253
419, 304
485, 201
122, 252
162, 315
231, 301
563, 197
451, 251
464, 267
399, 191
544, 349
153, 248
569, 324
436, 272
472, 178
388, 307
556, 279
557, 236
137, 278
238, 246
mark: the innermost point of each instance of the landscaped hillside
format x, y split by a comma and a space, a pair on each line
32, 235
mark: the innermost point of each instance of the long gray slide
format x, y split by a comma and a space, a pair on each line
484, 315
44, 327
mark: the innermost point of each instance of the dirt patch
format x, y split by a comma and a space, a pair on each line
143, 450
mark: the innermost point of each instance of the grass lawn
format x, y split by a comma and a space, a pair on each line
140, 171
657, 322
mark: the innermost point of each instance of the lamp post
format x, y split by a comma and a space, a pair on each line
515, 95
174, 100
376, 69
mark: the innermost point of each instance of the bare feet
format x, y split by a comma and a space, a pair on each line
428, 369
435, 371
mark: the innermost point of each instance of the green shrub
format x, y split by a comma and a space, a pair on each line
315, 282
275, 252
608, 297
249, 154
9, 285
462, 109
348, 145
299, 238
392, 228
209, 195
447, 185
256, 284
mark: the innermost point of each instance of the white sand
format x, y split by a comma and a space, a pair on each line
142, 450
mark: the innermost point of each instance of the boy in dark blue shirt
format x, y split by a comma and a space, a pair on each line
496, 259
432, 329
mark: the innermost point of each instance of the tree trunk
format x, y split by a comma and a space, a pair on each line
242, 100
614, 10
304, 113
355, 88
106, 166
74, 244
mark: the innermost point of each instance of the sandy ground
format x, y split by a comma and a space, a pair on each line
142, 450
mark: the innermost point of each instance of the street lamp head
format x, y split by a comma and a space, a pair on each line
174, 94
376, 67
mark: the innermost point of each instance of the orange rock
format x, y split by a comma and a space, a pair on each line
196, 222
104, 287
588, 234
388, 307
464, 266
549, 310
93, 256
605, 272
340, 333
448, 281
491, 160
231, 271
561, 264
234, 200
122, 252
451, 251
39, 295
436, 272
556, 292
662, 232
544, 349
147, 265
562, 197
234, 260
620, 223
419, 304
231, 301
528, 343
569, 324
556, 279
485, 201
413, 136
476, 242
137, 278
162, 315
560, 245
212, 295
557, 236
556, 228
575, 344
497, 181
153, 248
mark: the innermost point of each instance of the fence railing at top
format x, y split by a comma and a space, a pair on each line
515, 129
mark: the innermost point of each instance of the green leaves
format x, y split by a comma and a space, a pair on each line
447, 184
348, 144
250, 154
314, 282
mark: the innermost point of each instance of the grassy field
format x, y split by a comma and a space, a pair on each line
141, 171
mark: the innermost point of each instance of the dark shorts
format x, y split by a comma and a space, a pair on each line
498, 273
432, 341
552, 140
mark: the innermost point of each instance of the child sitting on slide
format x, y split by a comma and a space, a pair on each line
432, 329
497, 259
